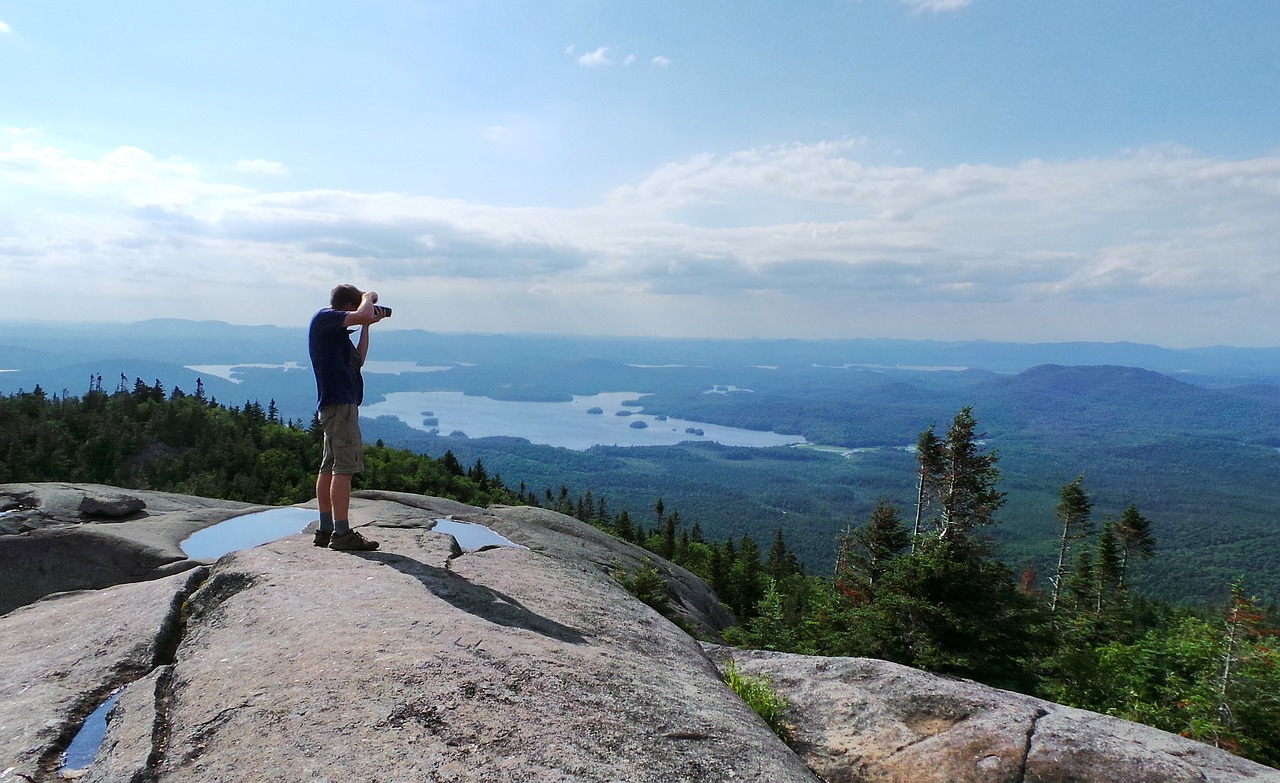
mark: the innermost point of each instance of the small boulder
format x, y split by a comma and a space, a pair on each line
117, 506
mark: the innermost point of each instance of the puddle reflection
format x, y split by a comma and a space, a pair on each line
473, 536
246, 531
84, 746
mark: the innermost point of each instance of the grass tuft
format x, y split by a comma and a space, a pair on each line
758, 693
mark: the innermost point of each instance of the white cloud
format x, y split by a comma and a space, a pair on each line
126, 174
259, 166
631, 59
1176, 239
661, 62
595, 59
935, 6
4, 28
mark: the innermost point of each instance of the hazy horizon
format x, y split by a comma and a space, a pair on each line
387, 327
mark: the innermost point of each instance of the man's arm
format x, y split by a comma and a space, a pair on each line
364, 314
362, 345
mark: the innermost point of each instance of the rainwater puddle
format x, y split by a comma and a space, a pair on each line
472, 536
84, 746
246, 531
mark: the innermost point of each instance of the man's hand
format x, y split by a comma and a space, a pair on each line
366, 313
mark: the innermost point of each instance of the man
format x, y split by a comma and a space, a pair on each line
340, 391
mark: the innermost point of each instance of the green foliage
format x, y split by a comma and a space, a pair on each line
1074, 508
966, 492
647, 585
1188, 677
770, 628
948, 608
758, 693
183, 443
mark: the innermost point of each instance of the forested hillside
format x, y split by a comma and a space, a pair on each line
1200, 462
177, 442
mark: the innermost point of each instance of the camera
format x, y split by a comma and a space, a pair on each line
382, 312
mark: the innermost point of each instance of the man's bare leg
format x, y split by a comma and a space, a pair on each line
340, 498
339, 502
324, 492
333, 494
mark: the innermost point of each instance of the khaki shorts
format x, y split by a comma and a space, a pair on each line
343, 447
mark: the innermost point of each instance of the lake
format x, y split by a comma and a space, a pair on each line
571, 425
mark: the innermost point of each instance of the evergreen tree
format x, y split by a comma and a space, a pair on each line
1081, 587
1074, 508
865, 554
451, 464
622, 526
768, 629
1109, 575
781, 563
960, 477
667, 541
931, 456
1133, 533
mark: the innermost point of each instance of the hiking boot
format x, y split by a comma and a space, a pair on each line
352, 542
322, 538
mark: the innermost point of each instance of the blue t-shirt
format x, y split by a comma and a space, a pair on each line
334, 360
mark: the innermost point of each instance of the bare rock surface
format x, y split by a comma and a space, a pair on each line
427, 661
564, 537
59, 658
417, 663
60, 537
857, 720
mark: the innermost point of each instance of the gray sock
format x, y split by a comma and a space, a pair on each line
341, 527
326, 521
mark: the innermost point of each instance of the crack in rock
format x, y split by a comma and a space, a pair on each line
174, 627
159, 728
167, 638
1026, 749
219, 588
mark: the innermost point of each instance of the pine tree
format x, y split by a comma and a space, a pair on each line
865, 554
1133, 533
1108, 573
961, 477
1074, 508
667, 539
781, 563
931, 456
1081, 585
622, 526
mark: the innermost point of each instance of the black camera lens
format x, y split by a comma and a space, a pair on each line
385, 312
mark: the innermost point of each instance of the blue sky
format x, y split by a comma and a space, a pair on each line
1027, 170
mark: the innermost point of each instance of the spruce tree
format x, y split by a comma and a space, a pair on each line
1074, 508
865, 554
961, 476
931, 456
1133, 533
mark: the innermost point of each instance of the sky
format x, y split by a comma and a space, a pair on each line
1013, 170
